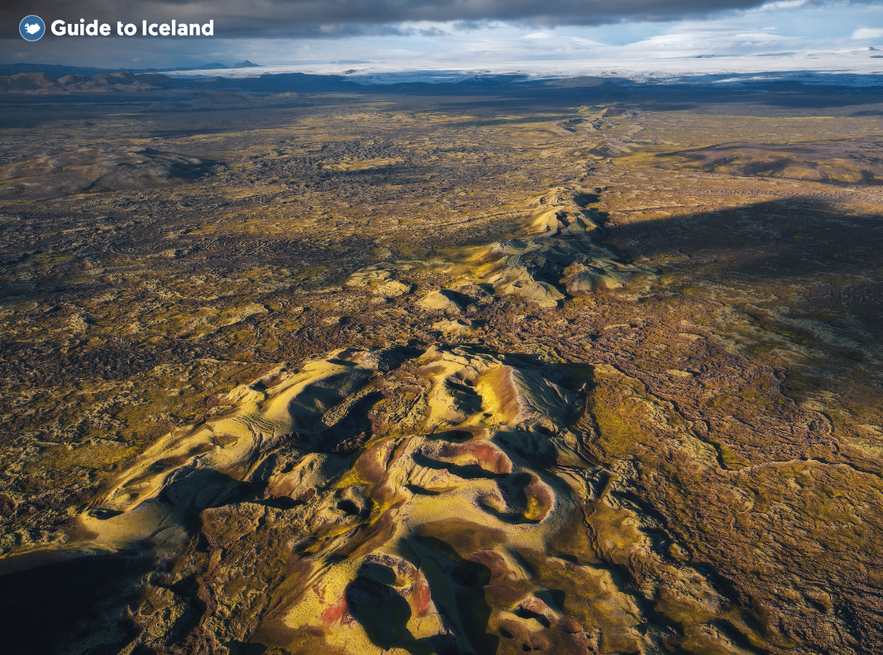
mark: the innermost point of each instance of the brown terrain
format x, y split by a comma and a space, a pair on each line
48, 84
573, 370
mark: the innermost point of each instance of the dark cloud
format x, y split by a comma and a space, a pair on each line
299, 18
329, 18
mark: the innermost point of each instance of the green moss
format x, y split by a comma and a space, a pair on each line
802, 337
618, 436
461, 536
681, 611
572, 540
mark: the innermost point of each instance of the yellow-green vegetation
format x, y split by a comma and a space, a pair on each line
369, 373
619, 433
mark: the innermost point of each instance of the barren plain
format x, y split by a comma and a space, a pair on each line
559, 368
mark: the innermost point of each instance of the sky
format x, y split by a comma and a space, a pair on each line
454, 34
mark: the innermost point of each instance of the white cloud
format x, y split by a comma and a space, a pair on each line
868, 33
782, 4
699, 41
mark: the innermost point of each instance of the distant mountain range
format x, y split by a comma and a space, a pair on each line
41, 82
58, 70
55, 69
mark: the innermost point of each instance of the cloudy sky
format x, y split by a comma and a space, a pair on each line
411, 34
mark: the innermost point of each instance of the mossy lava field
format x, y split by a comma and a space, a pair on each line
515, 368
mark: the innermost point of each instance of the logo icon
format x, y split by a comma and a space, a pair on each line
32, 28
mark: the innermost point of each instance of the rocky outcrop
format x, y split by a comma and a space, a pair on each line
446, 501
559, 253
